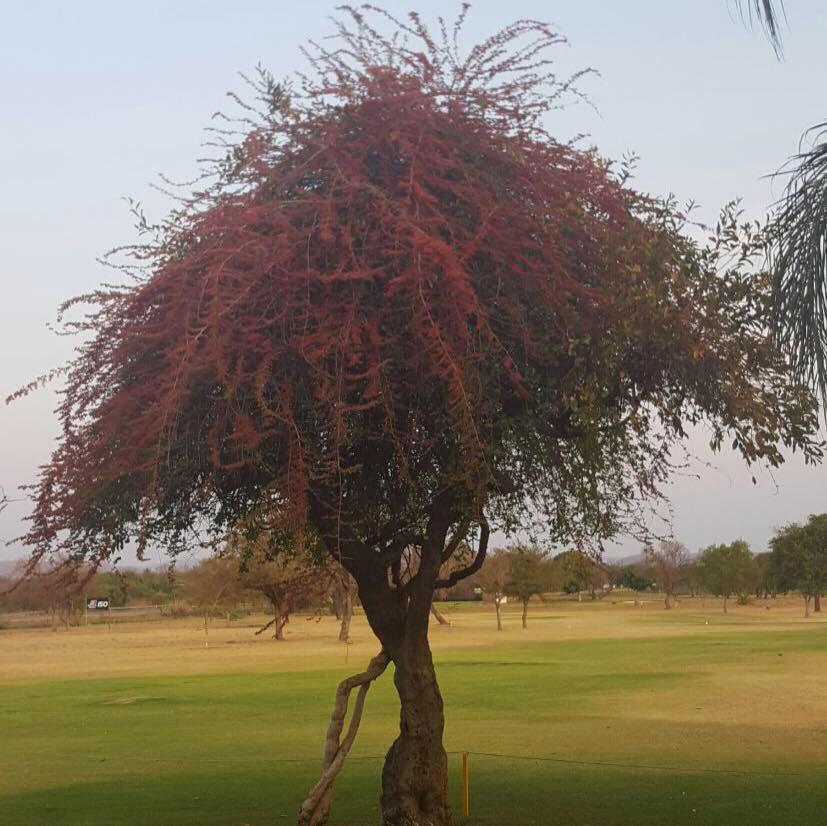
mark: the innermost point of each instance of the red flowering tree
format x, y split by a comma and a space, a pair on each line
397, 311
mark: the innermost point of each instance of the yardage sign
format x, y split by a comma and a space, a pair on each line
97, 603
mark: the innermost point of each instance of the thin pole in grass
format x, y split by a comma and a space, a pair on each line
466, 760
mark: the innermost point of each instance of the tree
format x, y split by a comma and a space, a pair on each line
798, 559
288, 580
635, 577
212, 587
728, 569
766, 586
493, 579
668, 561
529, 573
343, 595
394, 309
574, 571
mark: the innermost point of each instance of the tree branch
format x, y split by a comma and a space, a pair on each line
462, 573
314, 810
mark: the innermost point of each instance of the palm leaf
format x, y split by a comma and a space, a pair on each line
768, 13
799, 260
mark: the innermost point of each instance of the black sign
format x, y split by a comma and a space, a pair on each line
97, 603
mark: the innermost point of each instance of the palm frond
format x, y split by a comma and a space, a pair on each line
768, 13
799, 259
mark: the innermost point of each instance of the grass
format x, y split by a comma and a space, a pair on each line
606, 714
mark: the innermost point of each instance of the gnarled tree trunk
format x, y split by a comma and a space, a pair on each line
415, 774
817, 603
525, 613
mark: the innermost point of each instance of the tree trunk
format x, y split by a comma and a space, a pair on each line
206, 631
347, 614
499, 616
807, 599
525, 613
415, 774
438, 616
667, 602
725, 611
280, 621
817, 603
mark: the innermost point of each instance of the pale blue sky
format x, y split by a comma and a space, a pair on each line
97, 97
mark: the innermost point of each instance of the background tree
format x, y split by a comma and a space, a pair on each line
728, 569
343, 596
212, 587
396, 307
493, 579
798, 559
530, 573
636, 577
289, 577
766, 586
668, 561
574, 571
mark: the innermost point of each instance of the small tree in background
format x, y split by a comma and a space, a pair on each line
668, 561
343, 594
493, 579
530, 573
574, 571
767, 585
728, 569
798, 559
290, 577
212, 587
637, 577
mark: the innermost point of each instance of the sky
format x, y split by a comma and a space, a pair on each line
99, 97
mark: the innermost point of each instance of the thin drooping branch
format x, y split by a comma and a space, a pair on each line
475, 565
314, 810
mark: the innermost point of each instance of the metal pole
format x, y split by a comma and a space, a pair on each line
465, 762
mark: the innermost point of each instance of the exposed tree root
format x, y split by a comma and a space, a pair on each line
316, 807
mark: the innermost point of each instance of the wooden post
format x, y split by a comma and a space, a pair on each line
465, 799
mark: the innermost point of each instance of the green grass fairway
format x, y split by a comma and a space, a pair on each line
604, 714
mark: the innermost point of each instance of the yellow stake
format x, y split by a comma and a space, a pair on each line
465, 761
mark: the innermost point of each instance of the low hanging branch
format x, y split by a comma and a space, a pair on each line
314, 811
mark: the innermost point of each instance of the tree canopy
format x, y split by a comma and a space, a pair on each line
396, 308
798, 559
728, 569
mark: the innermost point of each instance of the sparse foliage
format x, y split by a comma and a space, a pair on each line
668, 560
